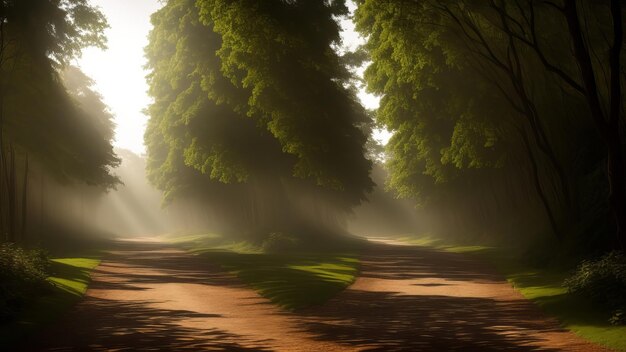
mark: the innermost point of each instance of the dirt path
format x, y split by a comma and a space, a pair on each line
147, 296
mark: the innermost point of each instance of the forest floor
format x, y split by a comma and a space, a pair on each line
147, 295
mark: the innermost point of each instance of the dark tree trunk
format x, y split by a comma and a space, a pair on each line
608, 126
617, 185
24, 198
3, 233
537, 183
42, 209
520, 100
12, 195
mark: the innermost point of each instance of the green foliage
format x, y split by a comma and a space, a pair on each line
23, 276
284, 55
80, 87
75, 23
73, 142
279, 242
436, 105
488, 138
68, 282
618, 317
603, 281
252, 112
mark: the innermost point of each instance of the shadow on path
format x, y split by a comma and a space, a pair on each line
148, 297
417, 299
118, 313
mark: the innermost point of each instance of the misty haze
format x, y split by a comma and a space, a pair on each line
312, 175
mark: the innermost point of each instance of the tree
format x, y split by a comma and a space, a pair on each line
39, 120
492, 87
596, 78
270, 120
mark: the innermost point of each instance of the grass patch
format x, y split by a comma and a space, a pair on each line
70, 277
545, 288
291, 280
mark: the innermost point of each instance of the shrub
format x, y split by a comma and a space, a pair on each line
279, 242
604, 282
23, 275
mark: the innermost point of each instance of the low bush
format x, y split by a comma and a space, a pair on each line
604, 282
280, 242
23, 275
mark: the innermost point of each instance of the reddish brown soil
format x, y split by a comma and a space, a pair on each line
148, 297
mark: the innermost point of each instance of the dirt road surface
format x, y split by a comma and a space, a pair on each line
146, 296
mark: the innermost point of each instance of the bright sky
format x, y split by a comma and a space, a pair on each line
118, 71
120, 77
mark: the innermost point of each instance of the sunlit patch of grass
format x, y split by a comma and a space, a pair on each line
430, 241
199, 243
545, 288
192, 240
70, 278
72, 275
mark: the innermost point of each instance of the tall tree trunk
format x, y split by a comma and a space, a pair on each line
42, 209
511, 66
530, 111
616, 155
3, 233
608, 127
24, 198
3, 230
537, 183
81, 198
617, 185
12, 195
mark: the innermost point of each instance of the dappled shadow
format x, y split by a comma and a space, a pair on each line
424, 323
418, 299
151, 297
290, 280
126, 322
131, 327
388, 261
135, 263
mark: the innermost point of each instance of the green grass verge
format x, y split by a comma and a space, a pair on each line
543, 287
290, 280
70, 277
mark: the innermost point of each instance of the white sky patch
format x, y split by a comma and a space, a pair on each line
118, 71
120, 76
350, 41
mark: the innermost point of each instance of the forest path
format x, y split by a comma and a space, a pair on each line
148, 296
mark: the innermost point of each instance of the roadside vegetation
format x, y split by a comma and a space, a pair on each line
23, 276
55, 134
57, 285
